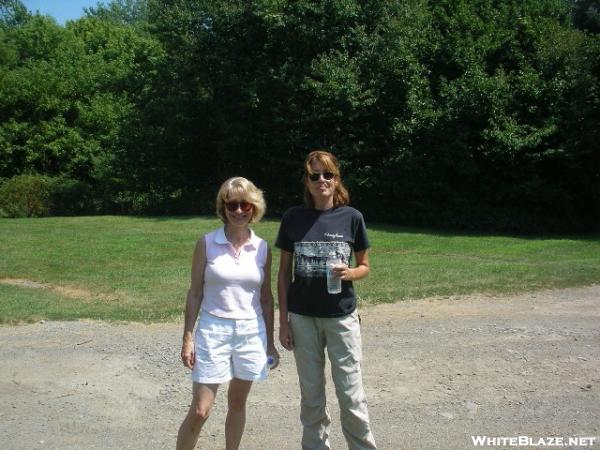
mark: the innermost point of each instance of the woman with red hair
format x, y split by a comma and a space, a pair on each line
311, 317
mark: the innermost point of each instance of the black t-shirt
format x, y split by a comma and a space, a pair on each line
311, 235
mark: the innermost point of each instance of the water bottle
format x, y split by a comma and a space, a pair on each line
334, 284
271, 361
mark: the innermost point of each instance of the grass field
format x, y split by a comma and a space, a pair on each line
128, 268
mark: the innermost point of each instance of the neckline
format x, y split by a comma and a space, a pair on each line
243, 243
322, 211
221, 237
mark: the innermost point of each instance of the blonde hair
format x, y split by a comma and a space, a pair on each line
247, 190
331, 164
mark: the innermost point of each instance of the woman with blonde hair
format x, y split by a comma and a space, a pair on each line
231, 288
312, 316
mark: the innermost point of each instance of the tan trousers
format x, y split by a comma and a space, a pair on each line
341, 336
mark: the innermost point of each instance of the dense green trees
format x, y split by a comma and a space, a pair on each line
476, 114
70, 101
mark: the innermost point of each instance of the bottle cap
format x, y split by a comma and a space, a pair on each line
271, 361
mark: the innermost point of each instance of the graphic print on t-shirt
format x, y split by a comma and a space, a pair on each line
311, 257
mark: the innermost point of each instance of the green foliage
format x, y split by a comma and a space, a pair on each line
39, 196
586, 15
492, 154
71, 100
124, 11
25, 196
70, 197
473, 114
12, 13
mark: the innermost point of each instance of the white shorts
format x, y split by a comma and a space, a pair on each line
229, 348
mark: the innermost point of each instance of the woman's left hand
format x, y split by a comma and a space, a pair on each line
343, 271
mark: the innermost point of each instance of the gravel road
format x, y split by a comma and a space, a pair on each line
436, 371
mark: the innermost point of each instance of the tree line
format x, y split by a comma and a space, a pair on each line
474, 114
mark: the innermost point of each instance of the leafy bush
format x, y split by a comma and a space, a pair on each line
70, 197
25, 196
39, 196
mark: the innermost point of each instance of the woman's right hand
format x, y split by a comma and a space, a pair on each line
188, 354
285, 335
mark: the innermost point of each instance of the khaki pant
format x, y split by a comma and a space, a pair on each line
341, 336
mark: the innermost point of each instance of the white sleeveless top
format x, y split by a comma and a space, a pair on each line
232, 283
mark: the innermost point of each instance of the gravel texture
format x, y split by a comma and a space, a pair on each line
436, 371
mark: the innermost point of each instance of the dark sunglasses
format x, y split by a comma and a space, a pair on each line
233, 206
327, 176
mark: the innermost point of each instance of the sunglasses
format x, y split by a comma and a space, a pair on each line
327, 176
243, 205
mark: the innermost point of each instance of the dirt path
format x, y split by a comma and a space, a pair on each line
436, 373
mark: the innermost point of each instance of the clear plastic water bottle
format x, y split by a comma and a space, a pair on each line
271, 361
334, 284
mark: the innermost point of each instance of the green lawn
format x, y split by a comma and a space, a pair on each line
138, 268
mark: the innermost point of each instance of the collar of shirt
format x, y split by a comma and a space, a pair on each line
220, 238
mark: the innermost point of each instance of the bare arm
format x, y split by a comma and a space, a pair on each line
266, 301
192, 304
284, 279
